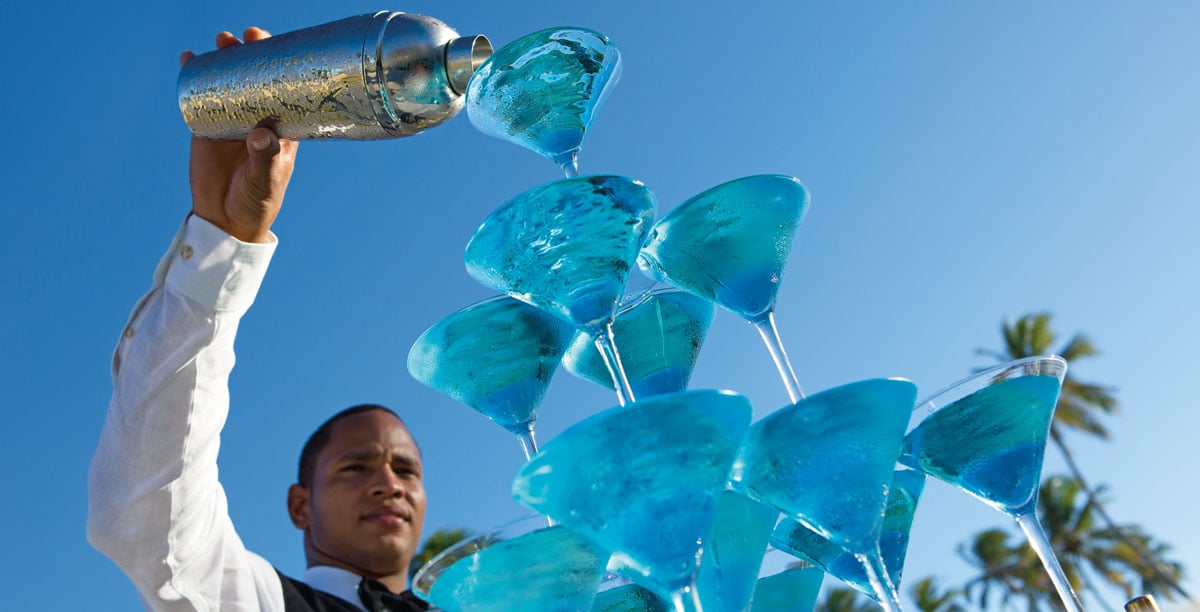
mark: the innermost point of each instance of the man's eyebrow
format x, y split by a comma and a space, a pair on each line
406, 458
403, 457
359, 455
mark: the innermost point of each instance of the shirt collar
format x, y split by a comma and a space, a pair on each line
335, 581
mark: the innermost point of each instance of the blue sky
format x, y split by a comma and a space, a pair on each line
968, 162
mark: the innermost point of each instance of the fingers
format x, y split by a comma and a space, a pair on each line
253, 33
226, 40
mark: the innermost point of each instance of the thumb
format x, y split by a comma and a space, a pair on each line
262, 143
262, 146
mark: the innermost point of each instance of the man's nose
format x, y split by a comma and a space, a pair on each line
388, 483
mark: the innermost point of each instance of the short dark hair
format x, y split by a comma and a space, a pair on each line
320, 439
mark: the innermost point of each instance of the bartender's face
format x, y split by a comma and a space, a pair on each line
366, 506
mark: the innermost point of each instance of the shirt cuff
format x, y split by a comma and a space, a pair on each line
215, 269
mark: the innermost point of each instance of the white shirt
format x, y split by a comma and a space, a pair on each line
335, 581
155, 506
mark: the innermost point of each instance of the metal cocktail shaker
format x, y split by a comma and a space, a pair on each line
369, 77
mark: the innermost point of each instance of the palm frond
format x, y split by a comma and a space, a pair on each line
1078, 347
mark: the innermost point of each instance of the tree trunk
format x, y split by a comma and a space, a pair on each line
1147, 558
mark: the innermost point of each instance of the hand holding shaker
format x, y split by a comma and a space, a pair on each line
370, 77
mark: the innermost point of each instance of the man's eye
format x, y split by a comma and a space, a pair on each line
354, 467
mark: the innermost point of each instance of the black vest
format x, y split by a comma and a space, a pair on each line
299, 597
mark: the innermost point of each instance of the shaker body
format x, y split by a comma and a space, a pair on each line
368, 77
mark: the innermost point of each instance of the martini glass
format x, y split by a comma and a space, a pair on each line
523, 565
793, 537
986, 434
734, 551
542, 91
658, 334
618, 594
567, 247
827, 462
729, 562
496, 356
793, 589
729, 245
643, 483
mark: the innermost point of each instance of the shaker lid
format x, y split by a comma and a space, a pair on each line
1145, 603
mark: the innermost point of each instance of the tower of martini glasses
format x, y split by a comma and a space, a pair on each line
672, 499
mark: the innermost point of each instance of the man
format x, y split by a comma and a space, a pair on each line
155, 505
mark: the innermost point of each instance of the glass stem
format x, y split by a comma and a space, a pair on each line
606, 343
881, 583
570, 167
687, 600
765, 325
1041, 545
528, 443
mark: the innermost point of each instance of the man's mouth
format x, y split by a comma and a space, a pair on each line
388, 516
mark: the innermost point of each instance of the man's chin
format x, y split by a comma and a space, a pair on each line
392, 553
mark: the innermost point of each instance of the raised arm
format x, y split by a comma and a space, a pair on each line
156, 507
239, 186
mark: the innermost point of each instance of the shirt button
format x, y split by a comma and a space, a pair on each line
128, 332
185, 252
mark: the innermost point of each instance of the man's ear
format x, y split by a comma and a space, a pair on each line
297, 504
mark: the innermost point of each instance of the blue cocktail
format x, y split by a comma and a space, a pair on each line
986, 434
658, 336
793, 537
567, 247
827, 461
734, 551
496, 356
524, 565
542, 91
729, 245
794, 589
989, 443
631, 597
642, 482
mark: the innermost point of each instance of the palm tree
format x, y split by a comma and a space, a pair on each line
845, 600
929, 598
925, 593
1082, 545
1081, 404
1081, 407
1071, 516
1005, 568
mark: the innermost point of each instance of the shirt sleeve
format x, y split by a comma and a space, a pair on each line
155, 506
